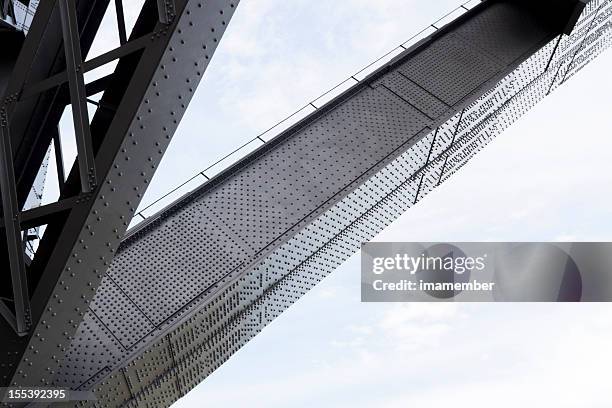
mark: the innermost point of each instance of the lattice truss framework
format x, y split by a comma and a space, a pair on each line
202, 336
19, 14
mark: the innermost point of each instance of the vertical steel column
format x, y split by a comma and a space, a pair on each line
59, 159
76, 81
166, 11
121, 21
14, 243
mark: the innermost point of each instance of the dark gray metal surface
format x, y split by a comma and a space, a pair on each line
28, 60
197, 281
78, 101
22, 318
158, 71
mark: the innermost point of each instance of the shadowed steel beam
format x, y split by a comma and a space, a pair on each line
59, 159
165, 9
44, 214
120, 21
12, 230
8, 315
124, 50
132, 46
42, 54
74, 61
151, 89
6, 10
32, 125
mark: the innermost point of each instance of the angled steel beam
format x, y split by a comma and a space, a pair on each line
44, 214
56, 80
165, 9
27, 128
42, 55
99, 85
8, 315
12, 230
151, 88
120, 22
80, 117
59, 159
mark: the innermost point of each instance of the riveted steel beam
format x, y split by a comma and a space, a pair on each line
56, 80
74, 61
59, 159
33, 58
12, 230
151, 88
207, 273
34, 119
30, 130
165, 9
43, 215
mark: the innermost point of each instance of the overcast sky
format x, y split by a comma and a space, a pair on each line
547, 178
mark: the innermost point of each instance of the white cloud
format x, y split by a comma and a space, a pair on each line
573, 371
492, 356
283, 54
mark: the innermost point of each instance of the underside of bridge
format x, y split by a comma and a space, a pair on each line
45, 295
181, 292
